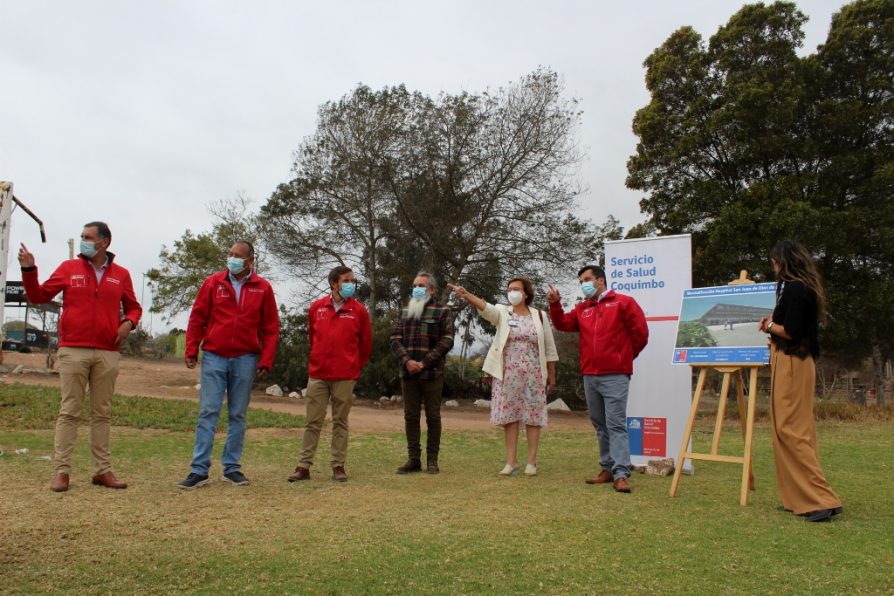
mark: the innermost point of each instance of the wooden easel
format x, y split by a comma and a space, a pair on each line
746, 421
746, 416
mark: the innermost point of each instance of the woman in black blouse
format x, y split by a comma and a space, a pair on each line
800, 304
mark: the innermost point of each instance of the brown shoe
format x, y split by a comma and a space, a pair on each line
301, 473
59, 483
338, 474
108, 480
604, 478
622, 485
432, 467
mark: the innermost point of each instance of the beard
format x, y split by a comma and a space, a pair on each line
415, 307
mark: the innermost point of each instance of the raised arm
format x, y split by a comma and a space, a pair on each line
36, 292
561, 320
485, 310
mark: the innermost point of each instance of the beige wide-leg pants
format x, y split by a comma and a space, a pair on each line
802, 485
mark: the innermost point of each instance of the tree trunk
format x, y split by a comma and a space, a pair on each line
878, 365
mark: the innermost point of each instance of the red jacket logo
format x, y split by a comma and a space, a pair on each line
223, 292
78, 281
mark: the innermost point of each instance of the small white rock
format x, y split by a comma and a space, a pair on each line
273, 390
295, 394
22, 451
18, 370
482, 403
384, 399
451, 403
558, 405
198, 386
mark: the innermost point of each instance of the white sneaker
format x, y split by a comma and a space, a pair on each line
530, 470
509, 470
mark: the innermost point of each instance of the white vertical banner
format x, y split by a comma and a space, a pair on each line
655, 271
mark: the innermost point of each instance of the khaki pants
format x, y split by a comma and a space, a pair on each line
318, 394
77, 368
802, 486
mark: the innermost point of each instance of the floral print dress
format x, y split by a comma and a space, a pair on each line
521, 395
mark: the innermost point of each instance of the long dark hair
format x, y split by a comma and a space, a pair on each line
796, 264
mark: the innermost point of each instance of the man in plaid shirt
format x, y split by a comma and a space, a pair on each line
421, 338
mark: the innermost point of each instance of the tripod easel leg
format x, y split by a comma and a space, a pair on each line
678, 465
749, 431
740, 402
721, 412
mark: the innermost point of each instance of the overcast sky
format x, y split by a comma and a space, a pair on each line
142, 113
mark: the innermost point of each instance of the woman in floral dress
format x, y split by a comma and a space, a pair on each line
522, 361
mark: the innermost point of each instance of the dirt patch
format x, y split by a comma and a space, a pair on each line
170, 379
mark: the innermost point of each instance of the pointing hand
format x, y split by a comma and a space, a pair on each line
553, 296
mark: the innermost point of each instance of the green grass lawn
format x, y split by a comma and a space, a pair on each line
464, 531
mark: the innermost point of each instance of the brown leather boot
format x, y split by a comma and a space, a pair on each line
604, 477
622, 485
108, 480
59, 483
301, 473
339, 474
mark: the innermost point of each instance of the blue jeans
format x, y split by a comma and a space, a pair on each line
607, 404
234, 377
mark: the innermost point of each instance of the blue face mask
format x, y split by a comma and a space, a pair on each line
418, 293
235, 265
347, 289
588, 289
88, 249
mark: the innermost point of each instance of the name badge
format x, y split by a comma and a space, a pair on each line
513, 323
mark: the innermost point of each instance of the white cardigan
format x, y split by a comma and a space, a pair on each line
499, 316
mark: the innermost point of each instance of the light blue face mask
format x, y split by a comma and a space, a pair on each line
347, 289
88, 248
235, 265
588, 288
418, 293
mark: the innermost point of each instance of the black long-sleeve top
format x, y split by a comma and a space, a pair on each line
796, 311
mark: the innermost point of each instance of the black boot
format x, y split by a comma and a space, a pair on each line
412, 465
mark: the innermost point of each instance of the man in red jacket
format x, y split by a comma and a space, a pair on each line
235, 322
613, 331
340, 337
95, 290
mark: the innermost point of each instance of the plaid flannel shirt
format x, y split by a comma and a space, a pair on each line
427, 339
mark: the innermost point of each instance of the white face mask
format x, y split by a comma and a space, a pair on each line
515, 297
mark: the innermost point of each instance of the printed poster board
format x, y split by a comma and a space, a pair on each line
718, 325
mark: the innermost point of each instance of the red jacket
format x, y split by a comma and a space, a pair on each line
229, 329
340, 341
613, 331
90, 311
